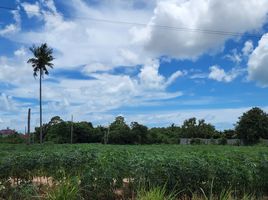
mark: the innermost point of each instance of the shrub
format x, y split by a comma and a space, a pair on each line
196, 141
222, 141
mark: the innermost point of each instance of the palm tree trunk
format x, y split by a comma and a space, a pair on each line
40, 97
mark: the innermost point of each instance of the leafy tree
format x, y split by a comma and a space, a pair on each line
138, 133
59, 133
229, 134
162, 136
252, 125
45, 127
193, 129
205, 130
98, 134
83, 132
55, 120
119, 132
42, 59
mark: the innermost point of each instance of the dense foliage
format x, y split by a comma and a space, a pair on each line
119, 132
13, 139
101, 169
253, 125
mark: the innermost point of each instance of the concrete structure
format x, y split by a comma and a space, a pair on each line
211, 141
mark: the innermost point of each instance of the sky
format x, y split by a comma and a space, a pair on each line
156, 62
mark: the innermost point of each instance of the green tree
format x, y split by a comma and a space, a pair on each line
46, 126
59, 133
252, 125
119, 132
138, 133
192, 128
83, 132
42, 59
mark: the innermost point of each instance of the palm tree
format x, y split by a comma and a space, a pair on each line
41, 60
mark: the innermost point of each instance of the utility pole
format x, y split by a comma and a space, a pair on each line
29, 125
72, 129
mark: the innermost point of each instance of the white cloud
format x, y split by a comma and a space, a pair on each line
13, 28
95, 67
81, 41
257, 63
31, 9
20, 52
235, 56
219, 74
192, 18
248, 48
174, 76
222, 118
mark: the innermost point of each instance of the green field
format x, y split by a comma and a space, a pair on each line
102, 169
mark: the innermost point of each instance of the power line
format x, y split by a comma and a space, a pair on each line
8, 8
165, 27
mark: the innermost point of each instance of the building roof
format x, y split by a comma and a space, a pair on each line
7, 132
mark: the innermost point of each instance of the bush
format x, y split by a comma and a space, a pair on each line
196, 141
212, 141
222, 141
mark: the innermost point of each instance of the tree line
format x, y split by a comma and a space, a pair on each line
251, 127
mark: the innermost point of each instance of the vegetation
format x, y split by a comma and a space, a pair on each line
252, 126
42, 59
13, 139
102, 170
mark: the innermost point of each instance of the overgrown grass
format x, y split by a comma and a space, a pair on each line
66, 189
155, 194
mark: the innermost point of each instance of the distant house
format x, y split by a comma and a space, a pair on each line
6, 132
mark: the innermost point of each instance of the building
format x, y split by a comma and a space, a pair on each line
7, 132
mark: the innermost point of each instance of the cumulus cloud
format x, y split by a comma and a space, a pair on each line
194, 19
81, 41
219, 74
257, 63
150, 78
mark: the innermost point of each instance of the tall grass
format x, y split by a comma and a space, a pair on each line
68, 189
155, 194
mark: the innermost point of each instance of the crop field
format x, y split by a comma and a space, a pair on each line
104, 170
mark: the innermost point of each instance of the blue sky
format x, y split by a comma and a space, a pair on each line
172, 60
